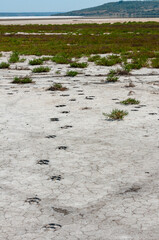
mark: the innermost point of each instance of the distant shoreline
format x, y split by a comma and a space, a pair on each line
68, 20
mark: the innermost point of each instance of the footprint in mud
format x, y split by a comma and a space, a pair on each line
56, 178
114, 99
65, 112
142, 105
64, 95
90, 98
33, 200
72, 100
50, 136
10, 93
86, 108
66, 127
43, 162
80, 94
54, 119
152, 113
52, 226
79, 90
133, 189
62, 148
60, 106
134, 110
137, 107
60, 210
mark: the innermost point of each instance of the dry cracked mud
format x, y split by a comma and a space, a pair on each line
105, 184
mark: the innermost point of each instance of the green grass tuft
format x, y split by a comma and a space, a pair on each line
57, 87
37, 61
78, 65
130, 101
116, 114
14, 57
41, 69
71, 73
22, 80
4, 65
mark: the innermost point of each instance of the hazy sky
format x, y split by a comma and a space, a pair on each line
47, 5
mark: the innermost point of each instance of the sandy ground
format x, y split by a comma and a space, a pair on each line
104, 185
75, 20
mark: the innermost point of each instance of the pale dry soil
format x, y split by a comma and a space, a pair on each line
105, 184
70, 20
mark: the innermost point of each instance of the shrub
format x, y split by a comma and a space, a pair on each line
79, 65
22, 80
71, 73
94, 58
41, 69
112, 76
44, 59
116, 114
130, 101
38, 61
57, 87
4, 65
14, 57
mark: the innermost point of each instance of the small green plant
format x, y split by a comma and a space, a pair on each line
1, 55
22, 80
93, 58
71, 73
78, 65
112, 76
22, 60
57, 72
109, 61
155, 63
41, 69
57, 87
130, 101
37, 61
14, 57
60, 59
4, 65
45, 59
116, 114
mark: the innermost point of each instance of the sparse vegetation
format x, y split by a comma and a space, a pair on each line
60, 59
41, 69
22, 80
37, 61
78, 65
130, 101
116, 114
112, 76
94, 58
155, 63
4, 65
14, 57
22, 60
57, 87
71, 73
109, 61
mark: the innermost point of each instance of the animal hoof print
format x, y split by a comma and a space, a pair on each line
43, 162
65, 112
52, 226
60, 106
54, 119
33, 200
51, 136
67, 126
152, 113
62, 147
90, 98
56, 178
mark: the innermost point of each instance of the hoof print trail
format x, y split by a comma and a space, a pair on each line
33, 200
56, 178
60, 210
53, 226
62, 148
51, 136
43, 162
54, 119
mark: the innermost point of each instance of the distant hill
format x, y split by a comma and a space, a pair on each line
120, 9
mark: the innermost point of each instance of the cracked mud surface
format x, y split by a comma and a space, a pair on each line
105, 185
